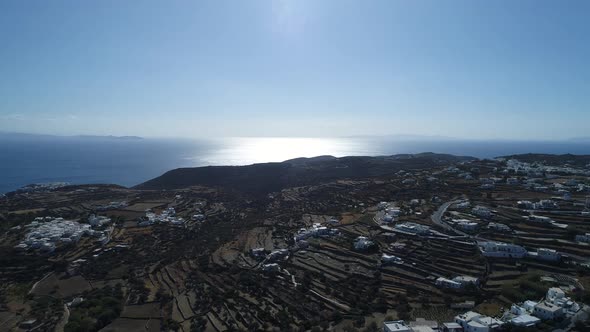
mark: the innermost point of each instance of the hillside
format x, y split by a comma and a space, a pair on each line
552, 159
269, 177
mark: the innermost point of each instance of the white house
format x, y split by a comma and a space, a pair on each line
390, 259
396, 326
463, 205
540, 219
362, 243
447, 283
502, 250
451, 327
548, 311
279, 254
382, 205
258, 252
481, 211
411, 227
466, 224
393, 211
474, 322
555, 293
548, 254
95, 220
499, 227
546, 204
466, 280
525, 320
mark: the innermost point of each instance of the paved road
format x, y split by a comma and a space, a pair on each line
437, 219
439, 213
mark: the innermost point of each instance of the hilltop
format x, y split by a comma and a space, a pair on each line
268, 177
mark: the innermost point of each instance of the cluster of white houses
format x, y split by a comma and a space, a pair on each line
97, 221
544, 204
389, 213
167, 216
46, 233
316, 230
273, 256
555, 305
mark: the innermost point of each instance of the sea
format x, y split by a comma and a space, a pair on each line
28, 159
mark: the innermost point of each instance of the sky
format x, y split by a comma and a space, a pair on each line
472, 69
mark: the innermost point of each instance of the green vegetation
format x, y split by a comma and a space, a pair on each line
527, 288
100, 307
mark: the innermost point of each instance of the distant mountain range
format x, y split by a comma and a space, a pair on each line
9, 135
404, 137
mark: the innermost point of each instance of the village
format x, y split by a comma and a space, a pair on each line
482, 245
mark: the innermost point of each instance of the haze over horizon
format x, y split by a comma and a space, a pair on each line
475, 70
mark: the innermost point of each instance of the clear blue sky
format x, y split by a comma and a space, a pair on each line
474, 69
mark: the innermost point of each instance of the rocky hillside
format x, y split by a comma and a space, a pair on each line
269, 177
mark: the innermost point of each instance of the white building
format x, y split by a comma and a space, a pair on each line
463, 205
466, 280
314, 231
465, 224
546, 204
414, 228
502, 250
546, 254
481, 211
391, 259
393, 211
451, 327
382, 205
557, 297
396, 326
362, 243
540, 219
525, 320
279, 254
95, 220
447, 283
499, 227
474, 322
548, 311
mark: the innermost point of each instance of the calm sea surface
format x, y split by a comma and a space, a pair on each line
25, 160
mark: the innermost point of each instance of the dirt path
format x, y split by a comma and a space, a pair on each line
64, 320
